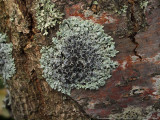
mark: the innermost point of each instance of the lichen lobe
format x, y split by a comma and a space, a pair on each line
47, 15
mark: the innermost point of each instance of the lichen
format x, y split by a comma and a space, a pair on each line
157, 84
47, 15
144, 4
80, 56
7, 66
137, 113
129, 113
123, 10
157, 57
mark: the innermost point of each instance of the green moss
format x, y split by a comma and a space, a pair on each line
80, 56
47, 15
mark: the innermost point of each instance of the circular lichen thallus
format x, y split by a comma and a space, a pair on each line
95, 7
85, 63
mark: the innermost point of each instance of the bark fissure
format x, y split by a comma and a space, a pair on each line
32, 98
135, 27
132, 37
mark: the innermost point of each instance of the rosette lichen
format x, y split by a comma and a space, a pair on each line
80, 56
47, 15
7, 66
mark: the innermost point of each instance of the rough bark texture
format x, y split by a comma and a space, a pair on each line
136, 31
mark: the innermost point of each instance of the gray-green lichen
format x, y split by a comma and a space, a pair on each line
123, 10
157, 84
136, 113
143, 4
47, 15
7, 66
129, 113
80, 56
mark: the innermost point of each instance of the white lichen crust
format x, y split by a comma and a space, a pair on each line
7, 66
47, 15
80, 56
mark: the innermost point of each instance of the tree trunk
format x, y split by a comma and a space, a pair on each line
134, 25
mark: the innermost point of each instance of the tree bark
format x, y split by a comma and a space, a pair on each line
31, 96
135, 30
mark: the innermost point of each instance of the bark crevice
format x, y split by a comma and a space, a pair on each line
134, 26
132, 37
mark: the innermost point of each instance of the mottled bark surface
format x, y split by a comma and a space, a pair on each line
31, 96
136, 31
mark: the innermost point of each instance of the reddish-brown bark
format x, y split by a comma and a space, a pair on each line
137, 37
